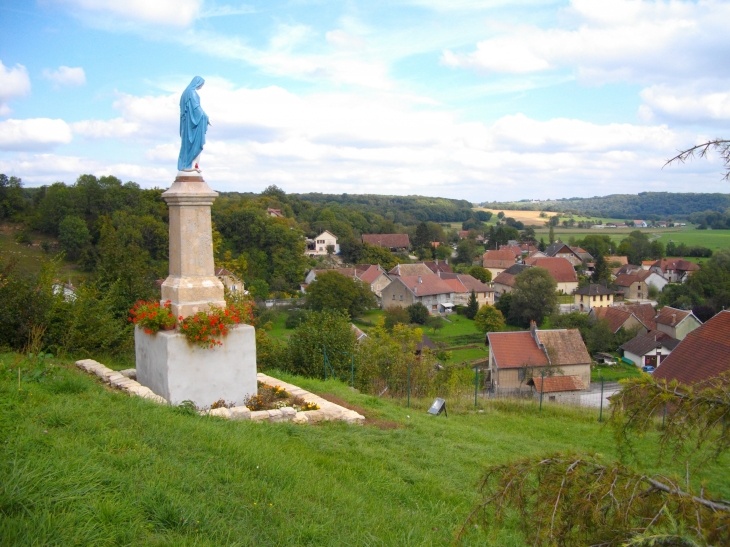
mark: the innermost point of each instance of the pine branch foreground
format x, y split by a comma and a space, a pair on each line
576, 500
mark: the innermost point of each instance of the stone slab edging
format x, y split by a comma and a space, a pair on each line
124, 380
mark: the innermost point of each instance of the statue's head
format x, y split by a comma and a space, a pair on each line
196, 83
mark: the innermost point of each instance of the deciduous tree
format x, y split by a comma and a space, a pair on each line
489, 319
334, 291
533, 297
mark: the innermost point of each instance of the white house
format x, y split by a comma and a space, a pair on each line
319, 245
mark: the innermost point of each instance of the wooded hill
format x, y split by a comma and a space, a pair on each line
629, 206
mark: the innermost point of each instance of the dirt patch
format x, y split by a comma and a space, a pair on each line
370, 418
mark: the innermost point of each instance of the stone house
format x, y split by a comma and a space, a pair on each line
396, 243
635, 286
318, 246
650, 348
593, 296
230, 281
702, 355
561, 269
674, 270
430, 290
516, 357
676, 323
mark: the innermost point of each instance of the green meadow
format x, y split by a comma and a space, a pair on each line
83, 464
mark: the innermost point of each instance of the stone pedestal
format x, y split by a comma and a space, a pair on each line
179, 371
192, 285
166, 362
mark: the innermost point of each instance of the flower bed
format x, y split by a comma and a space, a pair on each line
276, 397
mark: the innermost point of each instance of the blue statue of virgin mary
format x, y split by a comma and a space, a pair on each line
193, 126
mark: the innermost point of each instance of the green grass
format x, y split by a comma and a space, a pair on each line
614, 373
82, 464
470, 354
280, 332
713, 239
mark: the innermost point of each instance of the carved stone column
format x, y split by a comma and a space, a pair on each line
192, 285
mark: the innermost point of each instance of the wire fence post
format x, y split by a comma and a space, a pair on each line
600, 412
476, 384
324, 349
409, 384
542, 388
352, 370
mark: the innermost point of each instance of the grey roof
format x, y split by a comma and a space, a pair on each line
553, 248
644, 343
594, 290
517, 269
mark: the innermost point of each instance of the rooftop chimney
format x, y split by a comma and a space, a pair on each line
419, 279
415, 289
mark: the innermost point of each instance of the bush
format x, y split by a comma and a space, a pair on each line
418, 313
295, 318
330, 329
395, 316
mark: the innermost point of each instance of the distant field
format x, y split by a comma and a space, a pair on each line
713, 239
533, 217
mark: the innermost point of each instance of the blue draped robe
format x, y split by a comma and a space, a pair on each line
193, 125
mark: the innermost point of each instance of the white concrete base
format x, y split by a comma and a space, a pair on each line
179, 371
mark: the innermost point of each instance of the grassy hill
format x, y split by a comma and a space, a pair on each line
630, 206
85, 465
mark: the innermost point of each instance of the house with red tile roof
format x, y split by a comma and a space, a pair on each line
463, 284
704, 354
274, 213
498, 261
676, 323
419, 268
437, 266
645, 312
617, 319
516, 357
395, 242
561, 269
674, 270
430, 290
516, 250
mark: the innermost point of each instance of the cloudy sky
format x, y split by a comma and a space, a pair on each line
474, 99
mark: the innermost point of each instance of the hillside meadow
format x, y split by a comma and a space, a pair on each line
83, 464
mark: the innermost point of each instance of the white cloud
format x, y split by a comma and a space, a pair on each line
178, 13
622, 40
99, 129
14, 83
696, 103
364, 143
66, 76
33, 134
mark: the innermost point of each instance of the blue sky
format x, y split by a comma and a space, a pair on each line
481, 100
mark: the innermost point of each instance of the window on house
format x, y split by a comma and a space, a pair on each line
401, 297
434, 307
393, 297
601, 298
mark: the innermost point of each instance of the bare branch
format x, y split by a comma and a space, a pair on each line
722, 146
